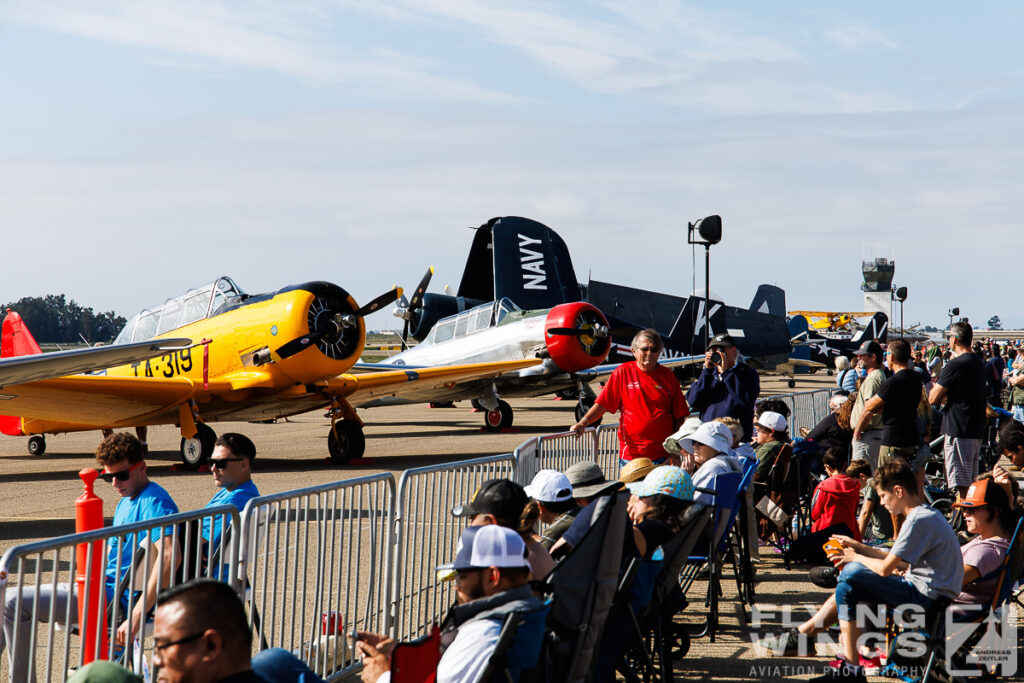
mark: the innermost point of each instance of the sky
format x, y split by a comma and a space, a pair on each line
150, 146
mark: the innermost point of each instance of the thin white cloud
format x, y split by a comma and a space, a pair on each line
278, 37
858, 37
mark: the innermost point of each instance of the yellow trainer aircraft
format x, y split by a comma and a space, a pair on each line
215, 353
830, 321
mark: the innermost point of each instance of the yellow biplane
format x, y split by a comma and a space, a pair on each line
214, 353
830, 321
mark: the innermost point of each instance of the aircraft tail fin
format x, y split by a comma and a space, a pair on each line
687, 335
15, 340
769, 299
798, 329
877, 328
522, 260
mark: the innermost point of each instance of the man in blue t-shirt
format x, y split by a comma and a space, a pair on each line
231, 464
120, 456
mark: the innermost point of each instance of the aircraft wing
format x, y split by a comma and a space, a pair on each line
437, 381
601, 371
22, 369
95, 399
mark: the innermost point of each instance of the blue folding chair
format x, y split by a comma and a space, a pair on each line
726, 492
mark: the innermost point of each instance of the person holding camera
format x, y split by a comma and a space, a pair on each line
726, 387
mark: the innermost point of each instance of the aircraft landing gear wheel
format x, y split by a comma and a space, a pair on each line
36, 445
198, 449
346, 441
582, 406
791, 383
499, 418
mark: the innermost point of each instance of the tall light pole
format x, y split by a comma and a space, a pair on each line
900, 294
709, 231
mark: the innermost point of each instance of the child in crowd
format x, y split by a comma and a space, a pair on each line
874, 522
833, 511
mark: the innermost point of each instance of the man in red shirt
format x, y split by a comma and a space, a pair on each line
649, 398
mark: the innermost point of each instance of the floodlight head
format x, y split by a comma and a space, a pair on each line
709, 229
901, 294
955, 311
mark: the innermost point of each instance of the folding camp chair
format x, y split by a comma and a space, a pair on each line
583, 585
723, 519
519, 645
740, 552
657, 639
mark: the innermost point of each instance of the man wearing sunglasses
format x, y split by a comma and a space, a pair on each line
231, 464
120, 456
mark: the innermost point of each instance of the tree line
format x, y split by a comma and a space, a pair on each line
55, 319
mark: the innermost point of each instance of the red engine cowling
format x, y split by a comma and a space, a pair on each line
15, 340
575, 352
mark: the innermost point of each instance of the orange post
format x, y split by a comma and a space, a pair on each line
89, 516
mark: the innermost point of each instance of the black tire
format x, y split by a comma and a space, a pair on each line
346, 441
582, 406
36, 445
791, 383
197, 450
499, 418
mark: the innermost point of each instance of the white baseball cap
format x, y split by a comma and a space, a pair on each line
550, 486
713, 434
772, 420
672, 444
488, 546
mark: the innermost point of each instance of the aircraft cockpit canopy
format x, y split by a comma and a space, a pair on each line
195, 304
475, 319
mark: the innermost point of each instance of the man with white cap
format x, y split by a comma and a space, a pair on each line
553, 493
490, 583
710, 445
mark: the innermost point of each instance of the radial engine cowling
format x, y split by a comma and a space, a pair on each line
583, 350
326, 335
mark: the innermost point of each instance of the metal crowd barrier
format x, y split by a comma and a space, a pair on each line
607, 455
317, 564
41, 586
554, 452
427, 533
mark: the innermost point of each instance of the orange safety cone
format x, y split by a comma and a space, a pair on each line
89, 516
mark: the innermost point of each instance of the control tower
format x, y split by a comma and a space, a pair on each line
877, 285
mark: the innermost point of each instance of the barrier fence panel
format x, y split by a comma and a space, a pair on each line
554, 452
46, 640
608, 450
317, 565
427, 533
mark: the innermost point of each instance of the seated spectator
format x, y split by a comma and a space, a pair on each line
490, 583
987, 512
588, 482
553, 494
874, 522
834, 430
868, 576
743, 451
833, 511
711, 445
503, 502
770, 436
102, 671
672, 443
201, 635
